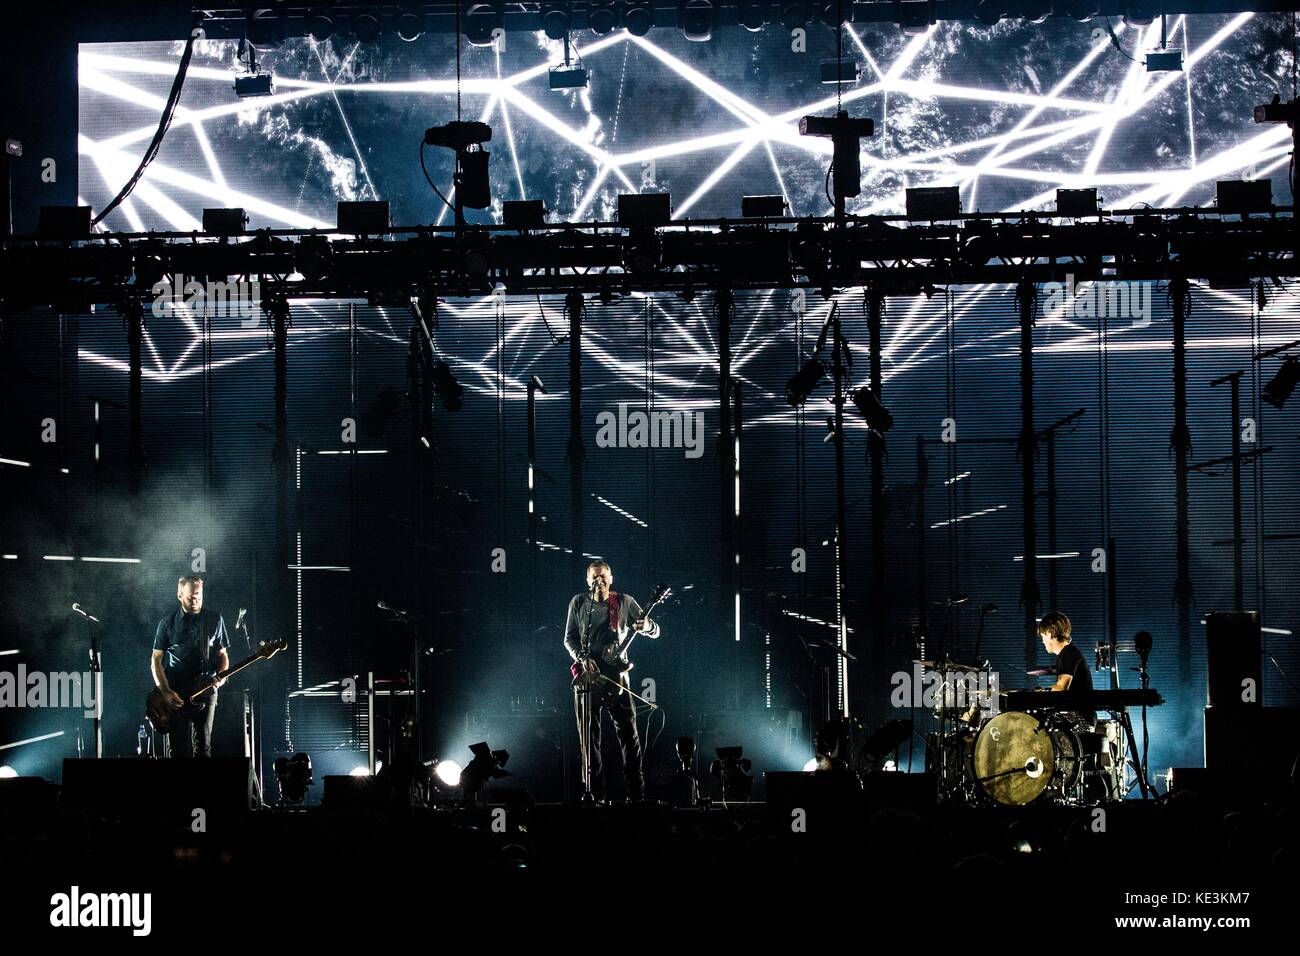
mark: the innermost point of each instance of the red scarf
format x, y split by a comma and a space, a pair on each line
613, 612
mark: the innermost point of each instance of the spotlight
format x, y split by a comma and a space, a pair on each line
366, 27
639, 18
645, 209
265, 28
363, 218
568, 77
319, 27
731, 769
762, 207
1281, 385
410, 24
359, 772
602, 19
1164, 61
811, 765
752, 16
254, 84
844, 70
803, 382
1244, 196
696, 19
1277, 111
1075, 203
846, 134
877, 415
488, 764
556, 21
449, 390
989, 12
293, 774
794, 15
481, 20
523, 214
448, 773
224, 222
8, 773
933, 202
312, 258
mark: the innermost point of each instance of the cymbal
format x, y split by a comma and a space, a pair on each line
947, 666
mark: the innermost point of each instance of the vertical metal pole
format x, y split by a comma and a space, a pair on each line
370, 722
135, 379
736, 538
1026, 296
533, 568
1238, 586
726, 464
1052, 601
841, 663
575, 305
278, 315
922, 569
876, 445
1182, 442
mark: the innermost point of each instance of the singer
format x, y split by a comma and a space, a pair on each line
596, 619
190, 645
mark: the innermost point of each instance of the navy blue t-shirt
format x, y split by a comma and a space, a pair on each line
190, 643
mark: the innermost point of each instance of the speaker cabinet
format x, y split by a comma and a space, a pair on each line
1232, 659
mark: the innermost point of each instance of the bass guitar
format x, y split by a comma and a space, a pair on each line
160, 714
612, 660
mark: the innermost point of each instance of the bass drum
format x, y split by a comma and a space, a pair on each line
1019, 757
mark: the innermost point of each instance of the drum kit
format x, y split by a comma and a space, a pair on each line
1018, 757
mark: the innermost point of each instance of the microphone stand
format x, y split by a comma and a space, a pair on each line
97, 676
251, 699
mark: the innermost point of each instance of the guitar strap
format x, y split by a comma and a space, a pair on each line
613, 612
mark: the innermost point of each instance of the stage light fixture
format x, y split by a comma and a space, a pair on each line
254, 84
1244, 196
8, 773
450, 391
523, 214
320, 27
448, 773
1281, 385
264, 28
731, 769
846, 134
639, 18
362, 771
877, 416
933, 202
804, 381
762, 207
1164, 61
1277, 111
480, 22
294, 777
845, 70
1076, 203
603, 18
1080, 10
557, 20
752, 16
366, 27
696, 18
488, 764
410, 24
990, 12
568, 77
647, 210
225, 222
362, 218
794, 15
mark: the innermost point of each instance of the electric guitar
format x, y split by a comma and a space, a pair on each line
160, 714
612, 661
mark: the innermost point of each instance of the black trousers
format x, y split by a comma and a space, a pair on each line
191, 735
605, 698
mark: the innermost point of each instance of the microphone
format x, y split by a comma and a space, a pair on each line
1142, 640
88, 617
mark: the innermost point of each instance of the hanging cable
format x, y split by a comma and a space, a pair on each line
164, 124
424, 169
